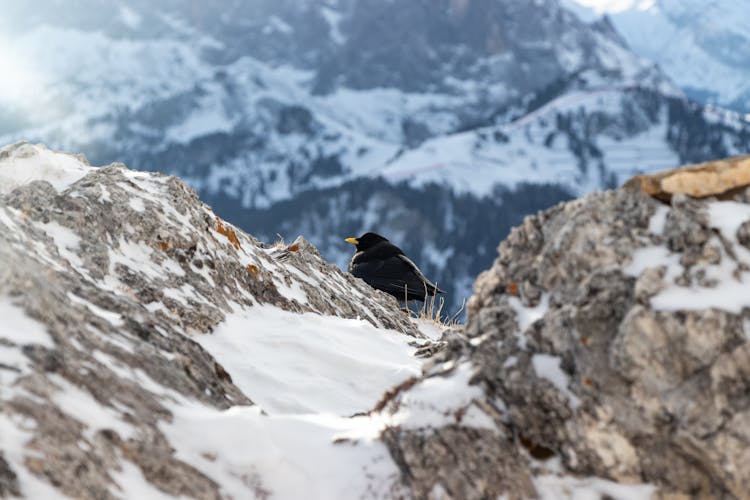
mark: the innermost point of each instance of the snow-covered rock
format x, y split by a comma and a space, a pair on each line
608, 340
149, 349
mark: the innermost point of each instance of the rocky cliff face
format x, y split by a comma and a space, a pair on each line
610, 339
150, 349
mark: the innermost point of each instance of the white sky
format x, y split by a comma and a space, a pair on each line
615, 5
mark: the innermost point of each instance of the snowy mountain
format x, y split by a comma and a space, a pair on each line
332, 118
704, 46
150, 349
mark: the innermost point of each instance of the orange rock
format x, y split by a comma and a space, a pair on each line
699, 181
228, 232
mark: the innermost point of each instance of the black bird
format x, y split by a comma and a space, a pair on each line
384, 266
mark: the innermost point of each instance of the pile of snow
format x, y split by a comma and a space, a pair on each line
29, 163
308, 363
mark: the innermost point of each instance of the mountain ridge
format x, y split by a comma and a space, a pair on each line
236, 107
703, 46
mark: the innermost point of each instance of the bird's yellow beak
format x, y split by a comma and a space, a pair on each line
353, 241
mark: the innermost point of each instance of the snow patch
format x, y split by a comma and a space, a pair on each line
438, 258
440, 400
658, 220
651, 257
137, 256
728, 216
551, 487
725, 282
137, 204
548, 367
16, 330
299, 363
293, 291
94, 414
208, 115
66, 241
17, 327
27, 162
113, 318
131, 483
14, 435
527, 316
284, 456
430, 329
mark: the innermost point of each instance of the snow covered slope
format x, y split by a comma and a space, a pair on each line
150, 349
704, 46
134, 319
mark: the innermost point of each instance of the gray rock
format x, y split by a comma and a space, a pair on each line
8, 480
576, 360
67, 260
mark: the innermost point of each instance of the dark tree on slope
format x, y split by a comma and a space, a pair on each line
693, 137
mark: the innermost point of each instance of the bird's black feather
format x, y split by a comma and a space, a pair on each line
384, 266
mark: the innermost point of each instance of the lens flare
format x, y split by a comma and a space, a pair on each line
18, 82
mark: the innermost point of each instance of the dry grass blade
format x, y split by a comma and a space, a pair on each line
432, 311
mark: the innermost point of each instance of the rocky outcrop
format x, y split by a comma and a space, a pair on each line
609, 339
108, 279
